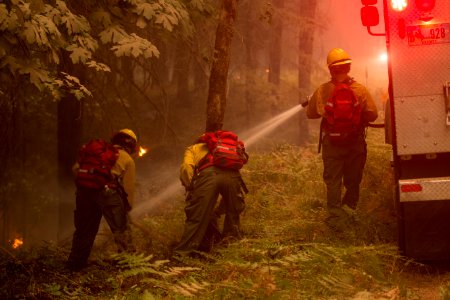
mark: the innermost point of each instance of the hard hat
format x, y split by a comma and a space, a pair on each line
129, 132
337, 56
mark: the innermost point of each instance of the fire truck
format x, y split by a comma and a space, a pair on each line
417, 34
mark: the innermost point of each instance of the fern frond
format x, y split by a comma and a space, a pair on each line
176, 271
190, 288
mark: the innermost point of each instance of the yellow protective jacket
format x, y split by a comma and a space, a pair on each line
192, 156
316, 106
124, 170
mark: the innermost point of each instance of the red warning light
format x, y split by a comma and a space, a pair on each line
411, 188
425, 5
399, 5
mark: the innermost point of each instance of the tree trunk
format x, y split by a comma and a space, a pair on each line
275, 44
305, 51
250, 65
275, 55
215, 106
69, 139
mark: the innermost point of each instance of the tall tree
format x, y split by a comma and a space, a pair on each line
275, 43
250, 63
216, 103
307, 12
275, 53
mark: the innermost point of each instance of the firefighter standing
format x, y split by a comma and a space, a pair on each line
113, 203
204, 187
343, 164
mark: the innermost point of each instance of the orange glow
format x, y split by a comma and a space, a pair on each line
383, 57
17, 243
142, 151
399, 5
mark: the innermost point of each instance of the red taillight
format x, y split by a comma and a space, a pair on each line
411, 188
425, 5
399, 5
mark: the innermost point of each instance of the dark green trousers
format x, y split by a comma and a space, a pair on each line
343, 165
201, 229
91, 205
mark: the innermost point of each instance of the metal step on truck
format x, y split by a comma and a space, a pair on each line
417, 34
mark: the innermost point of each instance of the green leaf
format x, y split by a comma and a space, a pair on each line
48, 24
112, 34
39, 30
101, 16
147, 10
75, 24
98, 66
38, 76
166, 21
24, 9
141, 22
78, 54
40, 34
11, 23
29, 33
86, 41
134, 45
74, 86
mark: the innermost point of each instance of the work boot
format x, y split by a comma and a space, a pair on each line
338, 218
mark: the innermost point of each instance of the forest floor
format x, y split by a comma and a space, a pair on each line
288, 251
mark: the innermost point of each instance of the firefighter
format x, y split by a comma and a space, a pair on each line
342, 164
201, 230
113, 203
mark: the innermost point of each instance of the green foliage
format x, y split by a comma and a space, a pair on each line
287, 251
45, 32
135, 46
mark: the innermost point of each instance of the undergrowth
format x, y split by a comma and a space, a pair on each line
287, 251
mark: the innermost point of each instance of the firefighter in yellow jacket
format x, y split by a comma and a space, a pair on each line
343, 164
113, 203
203, 189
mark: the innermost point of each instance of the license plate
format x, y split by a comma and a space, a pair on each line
429, 34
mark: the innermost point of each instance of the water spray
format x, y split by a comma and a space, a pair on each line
254, 134
250, 137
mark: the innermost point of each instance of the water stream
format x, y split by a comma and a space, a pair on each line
253, 135
250, 137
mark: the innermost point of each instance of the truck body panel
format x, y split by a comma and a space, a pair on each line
418, 46
420, 65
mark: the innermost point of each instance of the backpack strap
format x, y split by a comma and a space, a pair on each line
204, 163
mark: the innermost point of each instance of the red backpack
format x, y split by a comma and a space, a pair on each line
342, 119
96, 159
226, 151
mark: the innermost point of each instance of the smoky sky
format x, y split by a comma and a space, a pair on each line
344, 29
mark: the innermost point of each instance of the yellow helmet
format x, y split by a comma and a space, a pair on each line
337, 56
129, 132
125, 138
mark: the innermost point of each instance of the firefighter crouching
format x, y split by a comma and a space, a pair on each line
343, 162
204, 182
113, 201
